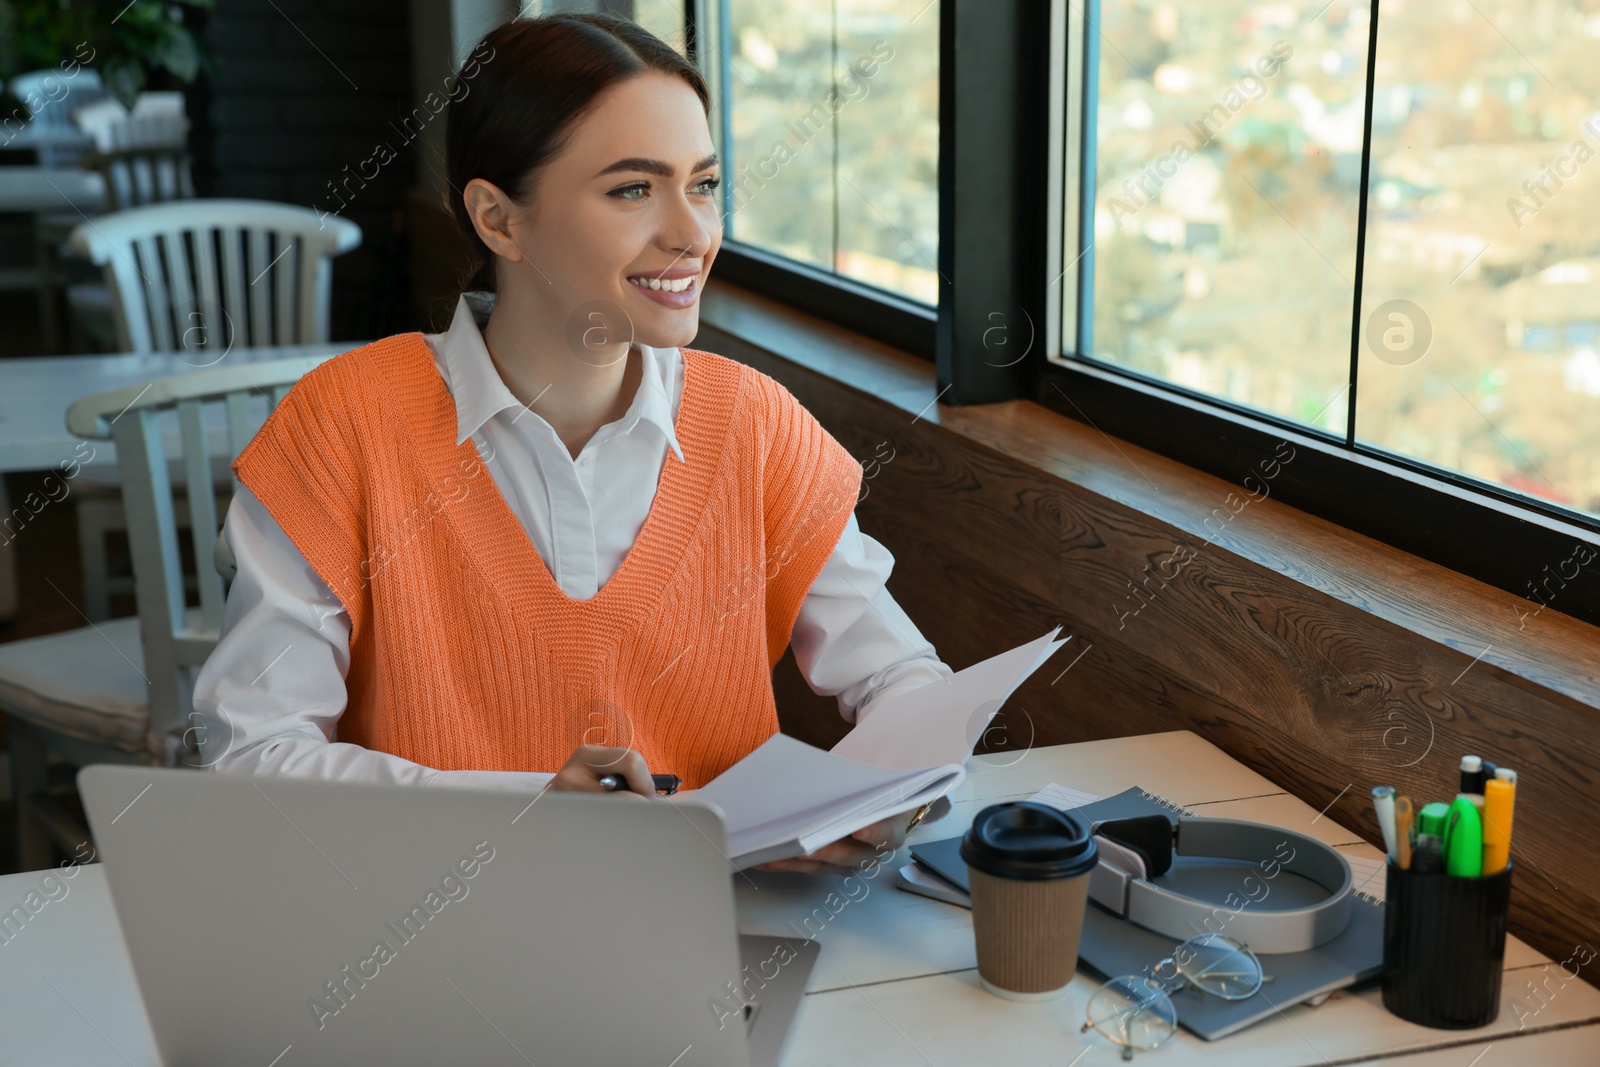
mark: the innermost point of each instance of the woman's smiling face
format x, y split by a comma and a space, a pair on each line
626, 214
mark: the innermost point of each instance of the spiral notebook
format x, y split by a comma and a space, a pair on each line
1112, 946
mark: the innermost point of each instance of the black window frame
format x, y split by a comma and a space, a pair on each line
995, 147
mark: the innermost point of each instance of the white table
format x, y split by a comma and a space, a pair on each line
896, 981
36, 392
35, 134
53, 146
32, 188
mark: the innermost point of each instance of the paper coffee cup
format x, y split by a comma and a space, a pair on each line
1028, 868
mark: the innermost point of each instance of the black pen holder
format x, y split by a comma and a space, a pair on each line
1444, 946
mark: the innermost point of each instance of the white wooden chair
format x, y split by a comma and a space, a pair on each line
59, 95
206, 275
142, 158
203, 276
121, 691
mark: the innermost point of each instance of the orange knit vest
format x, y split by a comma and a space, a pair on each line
465, 653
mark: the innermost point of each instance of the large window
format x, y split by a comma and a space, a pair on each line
1215, 235
1373, 227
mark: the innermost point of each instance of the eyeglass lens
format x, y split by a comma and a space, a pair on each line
1133, 1011
1219, 966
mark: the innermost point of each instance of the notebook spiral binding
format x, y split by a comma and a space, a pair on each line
1165, 803
1369, 897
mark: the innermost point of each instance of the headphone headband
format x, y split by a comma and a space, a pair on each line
1131, 854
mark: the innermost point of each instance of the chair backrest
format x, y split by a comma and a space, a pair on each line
211, 274
157, 118
52, 95
211, 413
143, 174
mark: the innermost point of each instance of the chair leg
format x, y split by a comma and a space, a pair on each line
50, 286
8, 562
30, 776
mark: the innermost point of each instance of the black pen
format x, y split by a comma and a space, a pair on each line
665, 783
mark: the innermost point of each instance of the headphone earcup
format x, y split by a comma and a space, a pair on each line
1148, 835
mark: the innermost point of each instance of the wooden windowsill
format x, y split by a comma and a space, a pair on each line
1545, 652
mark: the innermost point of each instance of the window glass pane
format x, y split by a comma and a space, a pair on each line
833, 112
664, 18
888, 72
1228, 155
780, 164
1481, 300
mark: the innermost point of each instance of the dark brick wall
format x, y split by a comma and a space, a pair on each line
302, 91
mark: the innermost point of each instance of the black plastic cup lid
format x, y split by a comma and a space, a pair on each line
1029, 842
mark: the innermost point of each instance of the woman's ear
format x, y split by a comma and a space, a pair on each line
491, 212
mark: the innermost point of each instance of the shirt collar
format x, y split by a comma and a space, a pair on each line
480, 393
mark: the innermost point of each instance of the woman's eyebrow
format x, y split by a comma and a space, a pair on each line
656, 166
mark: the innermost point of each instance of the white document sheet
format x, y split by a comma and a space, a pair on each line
941, 722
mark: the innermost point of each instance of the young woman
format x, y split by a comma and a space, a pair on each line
551, 544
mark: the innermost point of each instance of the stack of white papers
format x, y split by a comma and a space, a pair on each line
788, 798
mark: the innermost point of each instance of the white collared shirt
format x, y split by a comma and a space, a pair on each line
271, 693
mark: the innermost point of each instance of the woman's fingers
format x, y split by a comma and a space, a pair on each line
859, 852
890, 832
589, 763
632, 766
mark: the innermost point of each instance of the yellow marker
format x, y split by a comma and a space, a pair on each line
1498, 798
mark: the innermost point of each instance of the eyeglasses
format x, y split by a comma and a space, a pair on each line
1136, 1012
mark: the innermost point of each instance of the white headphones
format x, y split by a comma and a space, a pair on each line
1135, 851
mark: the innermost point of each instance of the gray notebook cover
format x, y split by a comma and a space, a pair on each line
1113, 946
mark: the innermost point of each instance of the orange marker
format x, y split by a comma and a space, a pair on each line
1402, 832
1498, 797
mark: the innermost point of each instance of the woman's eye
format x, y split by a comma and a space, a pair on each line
708, 186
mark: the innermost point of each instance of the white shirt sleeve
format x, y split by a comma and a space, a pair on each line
271, 692
851, 640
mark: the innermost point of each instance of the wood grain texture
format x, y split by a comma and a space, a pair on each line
1325, 661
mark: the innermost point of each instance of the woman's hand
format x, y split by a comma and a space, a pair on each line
590, 763
853, 854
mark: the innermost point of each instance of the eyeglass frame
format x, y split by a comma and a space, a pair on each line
1159, 983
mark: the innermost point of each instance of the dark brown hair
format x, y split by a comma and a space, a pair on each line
530, 81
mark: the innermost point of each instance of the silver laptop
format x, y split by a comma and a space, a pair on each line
288, 922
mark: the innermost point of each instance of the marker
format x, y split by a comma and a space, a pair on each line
1383, 801
1506, 774
1463, 839
1402, 832
1432, 818
1499, 796
1429, 858
1474, 770
665, 783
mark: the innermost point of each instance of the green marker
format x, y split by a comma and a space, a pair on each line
1432, 818
1463, 839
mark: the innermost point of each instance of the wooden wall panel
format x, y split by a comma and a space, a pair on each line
1305, 687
